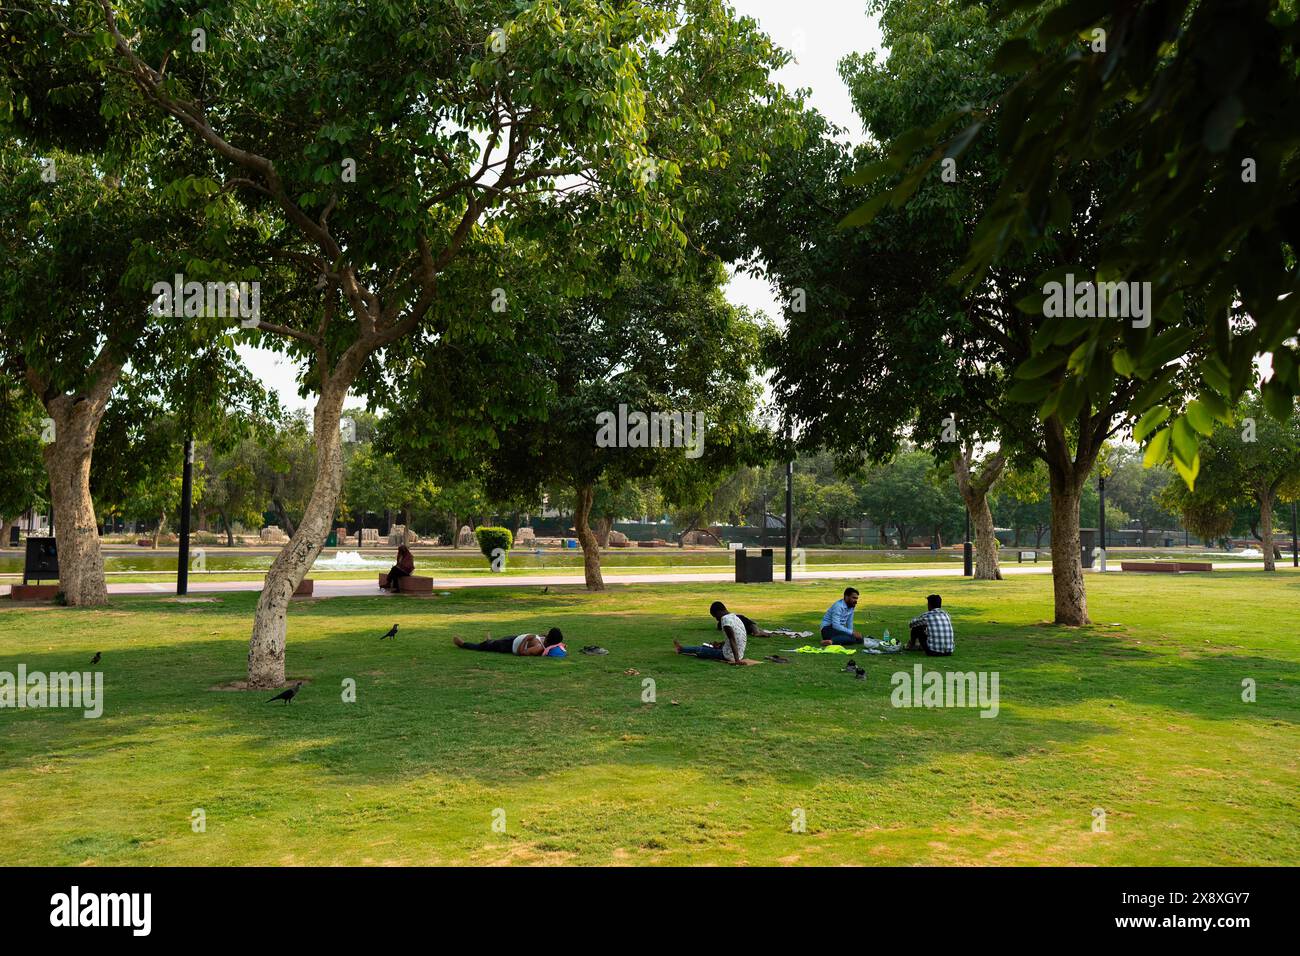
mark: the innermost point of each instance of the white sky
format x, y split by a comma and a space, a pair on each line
818, 33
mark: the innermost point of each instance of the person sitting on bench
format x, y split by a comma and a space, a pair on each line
731, 650
523, 645
837, 622
404, 567
718, 611
932, 631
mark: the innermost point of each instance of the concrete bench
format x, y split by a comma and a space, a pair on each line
33, 592
1166, 567
411, 584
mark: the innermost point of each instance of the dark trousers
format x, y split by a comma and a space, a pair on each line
502, 645
706, 651
395, 573
920, 635
836, 636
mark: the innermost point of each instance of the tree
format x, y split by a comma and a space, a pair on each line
377, 482
1256, 460
1137, 490
974, 481
232, 487
373, 158
22, 473
652, 345
1204, 198
70, 321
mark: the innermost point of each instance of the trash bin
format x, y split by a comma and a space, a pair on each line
1087, 544
753, 568
13, 536
332, 540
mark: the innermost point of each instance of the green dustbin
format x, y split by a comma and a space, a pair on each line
333, 540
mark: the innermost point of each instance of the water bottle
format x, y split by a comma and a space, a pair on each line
886, 637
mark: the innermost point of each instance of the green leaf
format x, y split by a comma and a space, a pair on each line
1200, 417
865, 213
1158, 450
1039, 365
1150, 421
1190, 471
1185, 443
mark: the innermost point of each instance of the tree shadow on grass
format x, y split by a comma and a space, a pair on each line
424, 707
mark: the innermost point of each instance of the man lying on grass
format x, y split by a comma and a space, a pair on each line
523, 645
718, 611
932, 631
731, 650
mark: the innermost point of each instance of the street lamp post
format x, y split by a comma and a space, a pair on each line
1101, 522
968, 551
1295, 551
187, 488
789, 520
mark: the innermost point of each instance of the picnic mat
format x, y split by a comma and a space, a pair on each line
786, 632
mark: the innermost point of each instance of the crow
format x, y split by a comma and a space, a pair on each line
862, 674
287, 695
391, 633
547, 589
95, 659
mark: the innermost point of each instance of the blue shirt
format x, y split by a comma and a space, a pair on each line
839, 616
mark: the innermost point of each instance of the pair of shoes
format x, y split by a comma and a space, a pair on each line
593, 649
777, 659
892, 642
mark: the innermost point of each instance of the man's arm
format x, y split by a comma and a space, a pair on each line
532, 647
735, 647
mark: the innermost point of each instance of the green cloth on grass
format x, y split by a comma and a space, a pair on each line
829, 649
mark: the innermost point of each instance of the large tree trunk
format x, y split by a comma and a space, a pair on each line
1071, 597
266, 647
1265, 498
67, 461
975, 492
590, 547
603, 527
455, 532
4, 532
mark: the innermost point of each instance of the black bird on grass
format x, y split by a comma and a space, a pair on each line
862, 674
392, 632
287, 695
95, 659
547, 589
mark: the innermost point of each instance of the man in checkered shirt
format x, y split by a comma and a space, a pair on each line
933, 630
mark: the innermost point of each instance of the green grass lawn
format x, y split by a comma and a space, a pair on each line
1144, 720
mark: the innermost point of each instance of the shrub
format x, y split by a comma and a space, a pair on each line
489, 539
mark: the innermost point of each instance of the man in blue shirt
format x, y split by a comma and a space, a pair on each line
837, 622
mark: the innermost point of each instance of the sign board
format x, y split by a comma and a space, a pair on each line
42, 560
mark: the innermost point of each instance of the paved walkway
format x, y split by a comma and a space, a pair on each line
356, 588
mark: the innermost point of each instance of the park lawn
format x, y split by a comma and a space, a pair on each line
1145, 721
